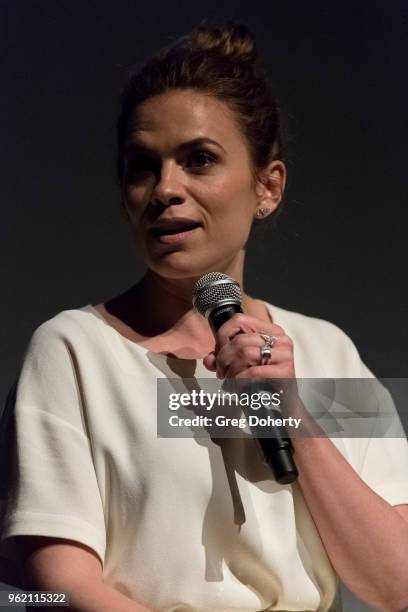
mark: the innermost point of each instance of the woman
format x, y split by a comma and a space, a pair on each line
124, 520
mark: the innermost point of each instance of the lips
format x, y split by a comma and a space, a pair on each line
175, 226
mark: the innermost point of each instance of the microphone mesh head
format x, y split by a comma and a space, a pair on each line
213, 288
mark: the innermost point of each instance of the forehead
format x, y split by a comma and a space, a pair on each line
182, 115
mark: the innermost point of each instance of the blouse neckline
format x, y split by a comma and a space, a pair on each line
136, 345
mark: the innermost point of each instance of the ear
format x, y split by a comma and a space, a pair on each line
271, 185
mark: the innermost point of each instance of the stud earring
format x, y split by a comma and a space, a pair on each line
262, 212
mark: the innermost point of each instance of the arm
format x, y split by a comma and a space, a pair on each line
365, 537
61, 565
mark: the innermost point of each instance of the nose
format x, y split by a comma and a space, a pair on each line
168, 189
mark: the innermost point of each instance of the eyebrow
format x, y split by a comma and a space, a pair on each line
184, 146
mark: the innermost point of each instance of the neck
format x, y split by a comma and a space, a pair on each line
165, 305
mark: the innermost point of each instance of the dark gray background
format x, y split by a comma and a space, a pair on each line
338, 249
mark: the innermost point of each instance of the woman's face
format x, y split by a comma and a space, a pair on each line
169, 177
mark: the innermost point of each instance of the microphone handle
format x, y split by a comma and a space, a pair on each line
278, 450
222, 313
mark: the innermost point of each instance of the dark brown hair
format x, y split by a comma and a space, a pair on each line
220, 61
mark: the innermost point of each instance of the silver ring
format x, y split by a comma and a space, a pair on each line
265, 355
266, 348
269, 339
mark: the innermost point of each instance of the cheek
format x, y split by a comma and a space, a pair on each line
134, 198
134, 195
234, 209
225, 197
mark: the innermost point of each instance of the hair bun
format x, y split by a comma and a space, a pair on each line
233, 40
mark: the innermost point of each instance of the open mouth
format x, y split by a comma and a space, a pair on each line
170, 235
174, 230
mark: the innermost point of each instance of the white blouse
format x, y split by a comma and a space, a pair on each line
178, 523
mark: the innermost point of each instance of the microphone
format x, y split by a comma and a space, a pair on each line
217, 297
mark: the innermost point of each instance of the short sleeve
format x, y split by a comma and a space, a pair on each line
385, 469
49, 485
382, 457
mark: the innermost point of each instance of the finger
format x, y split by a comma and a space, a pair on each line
242, 323
256, 339
229, 364
238, 342
225, 355
281, 371
210, 361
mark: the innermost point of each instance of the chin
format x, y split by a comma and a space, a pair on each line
180, 265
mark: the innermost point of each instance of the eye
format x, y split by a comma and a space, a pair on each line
204, 159
138, 165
